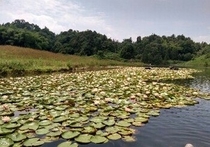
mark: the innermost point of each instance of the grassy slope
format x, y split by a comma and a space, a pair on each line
198, 62
31, 60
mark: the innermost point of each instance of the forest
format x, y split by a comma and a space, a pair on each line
153, 49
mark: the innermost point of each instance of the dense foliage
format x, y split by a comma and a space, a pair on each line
151, 49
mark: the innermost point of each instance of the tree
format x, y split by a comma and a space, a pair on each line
127, 51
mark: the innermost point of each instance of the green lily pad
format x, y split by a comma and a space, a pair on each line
65, 144
128, 139
112, 129
84, 138
33, 142
45, 122
16, 137
125, 132
4, 131
82, 119
98, 125
114, 136
68, 144
89, 130
59, 119
53, 134
70, 134
6, 113
6, 142
12, 125
97, 120
154, 113
109, 122
17, 144
42, 131
30, 125
60, 108
98, 139
123, 124
137, 123
141, 119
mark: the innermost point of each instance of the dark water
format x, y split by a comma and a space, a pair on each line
174, 127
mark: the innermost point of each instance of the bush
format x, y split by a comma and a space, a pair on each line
13, 68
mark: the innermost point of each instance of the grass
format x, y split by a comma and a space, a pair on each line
198, 62
18, 60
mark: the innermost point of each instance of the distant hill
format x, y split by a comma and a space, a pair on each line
153, 49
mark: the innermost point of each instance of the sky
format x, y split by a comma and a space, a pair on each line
117, 19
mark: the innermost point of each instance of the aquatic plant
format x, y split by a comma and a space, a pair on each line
93, 106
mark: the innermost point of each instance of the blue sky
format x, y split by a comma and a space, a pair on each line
118, 19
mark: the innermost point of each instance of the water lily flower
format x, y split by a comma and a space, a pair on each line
195, 93
127, 109
6, 119
5, 107
132, 97
31, 119
96, 102
108, 99
103, 93
94, 90
145, 96
189, 145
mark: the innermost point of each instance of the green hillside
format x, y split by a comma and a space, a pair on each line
198, 62
153, 49
19, 60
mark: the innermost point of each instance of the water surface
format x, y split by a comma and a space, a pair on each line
174, 127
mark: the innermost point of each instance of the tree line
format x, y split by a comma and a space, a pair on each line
153, 49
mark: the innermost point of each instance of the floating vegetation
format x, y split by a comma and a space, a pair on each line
94, 106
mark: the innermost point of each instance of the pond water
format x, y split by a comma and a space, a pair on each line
174, 127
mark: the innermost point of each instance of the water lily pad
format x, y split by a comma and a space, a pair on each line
109, 122
123, 124
82, 119
6, 142
16, 137
98, 139
97, 119
4, 131
83, 138
128, 139
98, 125
70, 134
64, 144
30, 125
141, 119
89, 130
154, 113
112, 129
60, 108
137, 123
12, 125
45, 122
53, 134
60, 119
76, 125
17, 144
68, 144
125, 132
42, 131
114, 136
33, 142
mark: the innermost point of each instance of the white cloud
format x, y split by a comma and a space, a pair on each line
202, 38
130, 20
57, 15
